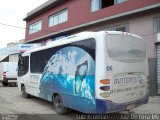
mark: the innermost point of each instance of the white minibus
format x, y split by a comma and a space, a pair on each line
91, 72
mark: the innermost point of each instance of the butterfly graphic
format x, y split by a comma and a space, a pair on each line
80, 75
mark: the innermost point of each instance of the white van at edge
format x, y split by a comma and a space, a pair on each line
8, 73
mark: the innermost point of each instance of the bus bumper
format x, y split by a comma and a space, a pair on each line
110, 107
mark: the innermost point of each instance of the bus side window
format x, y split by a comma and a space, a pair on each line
36, 62
23, 66
39, 60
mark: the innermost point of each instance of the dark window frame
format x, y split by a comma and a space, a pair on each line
103, 4
156, 25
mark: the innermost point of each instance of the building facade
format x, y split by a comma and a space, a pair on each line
60, 18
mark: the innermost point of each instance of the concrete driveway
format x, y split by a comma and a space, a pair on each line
13, 105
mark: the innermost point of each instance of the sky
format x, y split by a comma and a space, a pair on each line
12, 12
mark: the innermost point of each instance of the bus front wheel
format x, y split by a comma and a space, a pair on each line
23, 91
58, 105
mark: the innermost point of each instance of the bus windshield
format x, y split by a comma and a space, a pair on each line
125, 48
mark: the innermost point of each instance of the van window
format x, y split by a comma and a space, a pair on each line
23, 64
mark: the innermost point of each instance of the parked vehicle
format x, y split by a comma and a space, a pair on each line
8, 73
92, 72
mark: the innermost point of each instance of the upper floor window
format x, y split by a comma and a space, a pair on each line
95, 5
58, 18
33, 28
119, 1
156, 25
123, 28
100, 4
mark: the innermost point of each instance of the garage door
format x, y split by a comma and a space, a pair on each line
158, 69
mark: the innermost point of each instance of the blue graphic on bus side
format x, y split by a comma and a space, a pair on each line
71, 73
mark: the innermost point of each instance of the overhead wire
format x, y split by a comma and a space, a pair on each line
47, 30
22, 27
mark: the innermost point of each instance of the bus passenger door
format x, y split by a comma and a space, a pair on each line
34, 84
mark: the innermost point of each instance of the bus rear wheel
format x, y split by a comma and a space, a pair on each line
58, 105
23, 91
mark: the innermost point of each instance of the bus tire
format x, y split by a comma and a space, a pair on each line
58, 105
5, 83
23, 91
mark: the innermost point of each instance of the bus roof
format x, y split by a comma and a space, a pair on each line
82, 35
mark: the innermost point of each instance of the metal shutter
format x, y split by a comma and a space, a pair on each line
158, 69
